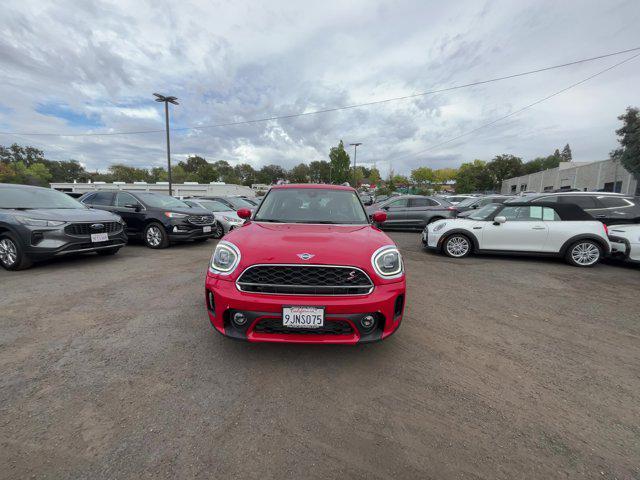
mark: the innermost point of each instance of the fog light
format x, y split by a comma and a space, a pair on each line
367, 322
239, 318
212, 305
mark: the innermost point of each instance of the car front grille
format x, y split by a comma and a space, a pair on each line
331, 327
93, 227
201, 219
305, 280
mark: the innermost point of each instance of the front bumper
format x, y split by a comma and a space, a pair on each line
431, 240
386, 303
42, 243
181, 231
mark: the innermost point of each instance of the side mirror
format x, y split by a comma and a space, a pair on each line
135, 206
244, 213
379, 217
386, 207
499, 220
474, 206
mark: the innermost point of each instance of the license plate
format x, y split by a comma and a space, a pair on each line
99, 237
303, 317
206, 229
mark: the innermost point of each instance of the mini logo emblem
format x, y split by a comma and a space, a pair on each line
97, 226
305, 256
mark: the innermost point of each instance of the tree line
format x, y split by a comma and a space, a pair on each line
28, 165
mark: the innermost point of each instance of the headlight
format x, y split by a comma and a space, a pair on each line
36, 222
225, 258
439, 227
387, 262
175, 215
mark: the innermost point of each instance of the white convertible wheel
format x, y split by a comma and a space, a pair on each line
457, 246
585, 254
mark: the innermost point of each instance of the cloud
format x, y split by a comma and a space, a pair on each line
95, 65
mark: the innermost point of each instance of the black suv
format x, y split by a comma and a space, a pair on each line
38, 223
609, 208
156, 218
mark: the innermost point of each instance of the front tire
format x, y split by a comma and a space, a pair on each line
155, 236
584, 253
218, 232
457, 246
12, 257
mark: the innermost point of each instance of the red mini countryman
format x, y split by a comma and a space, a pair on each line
309, 267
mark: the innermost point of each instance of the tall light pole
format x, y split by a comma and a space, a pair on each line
355, 154
167, 100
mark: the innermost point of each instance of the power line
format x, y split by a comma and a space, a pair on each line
329, 110
515, 112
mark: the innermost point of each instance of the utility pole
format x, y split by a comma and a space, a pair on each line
167, 100
355, 154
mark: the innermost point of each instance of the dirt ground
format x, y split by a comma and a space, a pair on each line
503, 368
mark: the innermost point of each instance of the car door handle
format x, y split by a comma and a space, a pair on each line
539, 228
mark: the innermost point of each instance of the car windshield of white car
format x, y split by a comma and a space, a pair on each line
311, 205
484, 212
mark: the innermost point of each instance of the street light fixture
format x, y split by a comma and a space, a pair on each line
167, 100
355, 154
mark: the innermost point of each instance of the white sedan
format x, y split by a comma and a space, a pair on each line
549, 229
625, 242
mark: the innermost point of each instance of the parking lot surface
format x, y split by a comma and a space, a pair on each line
503, 368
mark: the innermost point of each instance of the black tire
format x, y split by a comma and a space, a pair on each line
584, 253
218, 230
155, 236
12, 256
457, 245
108, 251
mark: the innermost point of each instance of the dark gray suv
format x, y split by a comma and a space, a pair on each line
413, 211
38, 223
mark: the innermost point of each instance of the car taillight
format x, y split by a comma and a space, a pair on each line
606, 229
452, 208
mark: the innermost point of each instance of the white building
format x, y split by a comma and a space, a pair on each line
179, 189
606, 175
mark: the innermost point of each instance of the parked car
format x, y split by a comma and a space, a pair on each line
39, 223
456, 199
413, 211
308, 268
380, 198
467, 206
236, 203
563, 230
609, 208
226, 217
625, 242
367, 199
155, 218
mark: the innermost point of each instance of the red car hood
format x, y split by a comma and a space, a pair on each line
350, 245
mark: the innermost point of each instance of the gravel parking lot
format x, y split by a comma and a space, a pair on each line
503, 368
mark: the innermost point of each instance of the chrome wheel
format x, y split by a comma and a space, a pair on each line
8, 252
585, 254
154, 236
457, 246
219, 231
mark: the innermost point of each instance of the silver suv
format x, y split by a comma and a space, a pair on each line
413, 211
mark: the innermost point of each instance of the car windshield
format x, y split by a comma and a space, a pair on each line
34, 198
215, 206
484, 212
160, 200
468, 201
311, 205
238, 202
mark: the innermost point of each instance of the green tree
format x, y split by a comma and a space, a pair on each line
629, 139
299, 174
245, 173
319, 171
159, 174
473, 177
37, 174
205, 174
271, 174
566, 153
340, 164
193, 163
504, 166
225, 171
125, 173
422, 175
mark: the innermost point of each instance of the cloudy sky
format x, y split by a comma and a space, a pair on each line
91, 66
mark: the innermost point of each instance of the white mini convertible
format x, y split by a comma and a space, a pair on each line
550, 229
